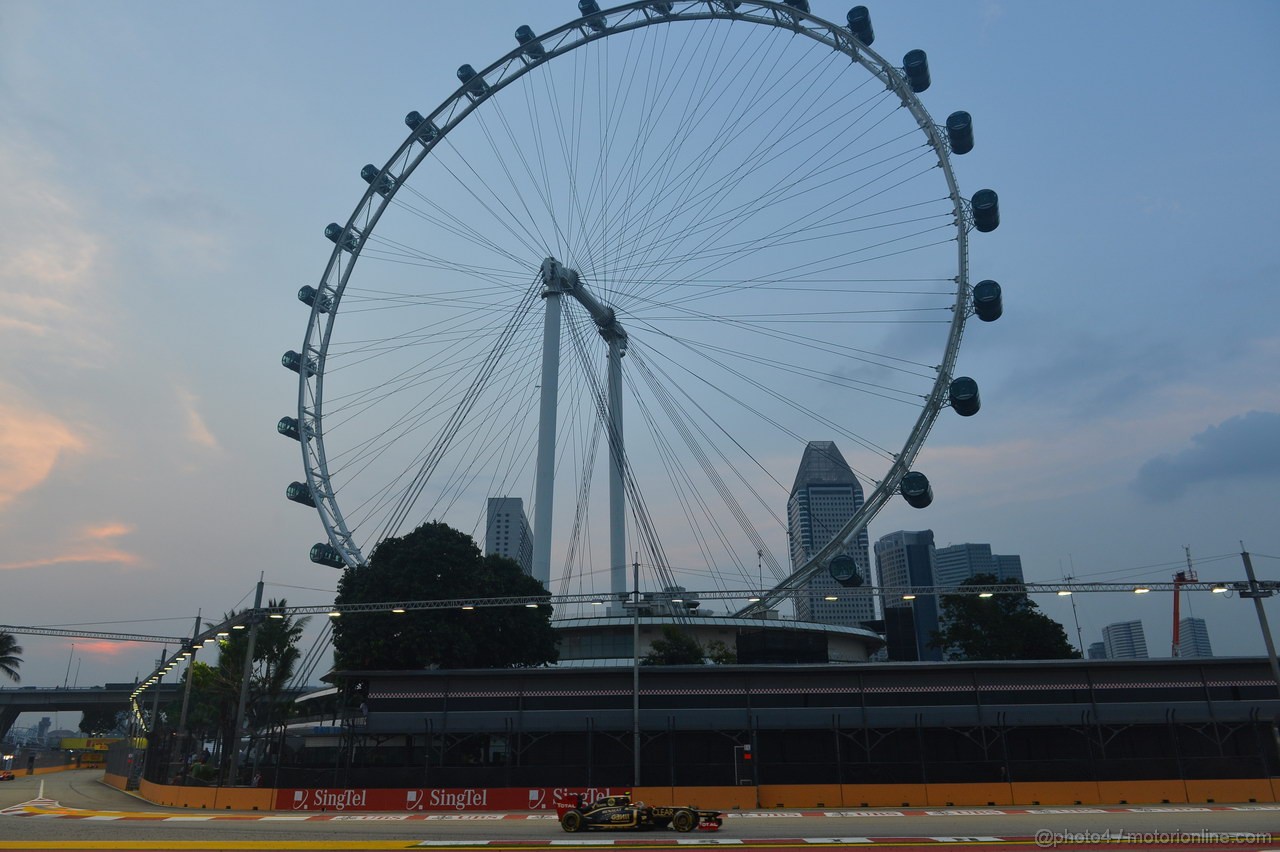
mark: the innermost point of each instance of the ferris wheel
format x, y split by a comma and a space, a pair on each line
731, 226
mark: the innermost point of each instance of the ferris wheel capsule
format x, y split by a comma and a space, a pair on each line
986, 210
916, 66
298, 492
532, 47
964, 397
960, 132
860, 25
327, 554
988, 304
916, 490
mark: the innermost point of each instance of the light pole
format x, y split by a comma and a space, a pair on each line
635, 667
1256, 592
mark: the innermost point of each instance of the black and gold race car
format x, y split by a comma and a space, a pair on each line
619, 812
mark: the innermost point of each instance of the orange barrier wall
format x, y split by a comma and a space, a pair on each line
117, 781
211, 798
831, 796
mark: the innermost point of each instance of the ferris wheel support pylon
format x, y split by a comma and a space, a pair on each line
559, 280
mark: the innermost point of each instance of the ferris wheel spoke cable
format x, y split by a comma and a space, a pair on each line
783, 126
420, 479
683, 426
722, 254
782, 398
451, 369
479, 446
670, 159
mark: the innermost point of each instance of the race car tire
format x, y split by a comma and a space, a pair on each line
571, 821
684, 820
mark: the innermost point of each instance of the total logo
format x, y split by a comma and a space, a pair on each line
416, 800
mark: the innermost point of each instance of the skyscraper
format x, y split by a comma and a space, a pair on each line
1125, 640
1098, 651
958, 562
1193, 638
824, 497
507, 532
906, 559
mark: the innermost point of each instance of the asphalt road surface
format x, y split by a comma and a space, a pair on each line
106, 818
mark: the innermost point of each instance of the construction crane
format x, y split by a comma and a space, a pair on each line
1179, 579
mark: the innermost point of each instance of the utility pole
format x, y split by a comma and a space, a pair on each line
255, 619
635, 667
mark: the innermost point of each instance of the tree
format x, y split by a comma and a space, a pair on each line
9, 659
1005, 626
214, 702
104, 722
437, 562
675, 648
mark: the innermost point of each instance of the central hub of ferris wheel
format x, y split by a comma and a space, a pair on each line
559, 280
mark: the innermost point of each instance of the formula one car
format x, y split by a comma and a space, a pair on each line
619, 812
6, 775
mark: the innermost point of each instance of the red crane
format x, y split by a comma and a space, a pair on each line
1187, 576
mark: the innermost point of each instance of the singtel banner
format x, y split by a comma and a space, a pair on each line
435, 798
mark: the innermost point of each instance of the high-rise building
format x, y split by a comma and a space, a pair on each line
1098, 651
905, 559
1193, 638
824, 497
958, 562
507, 532
1124, 640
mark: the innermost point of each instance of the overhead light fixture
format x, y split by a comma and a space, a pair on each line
397, 609
1062, 593
467, 606
1218, 589
677, 600
831, 598
1141, 590
597, 603
908, 597
237, 627
530, 606
985, 594
335, 614
753, 599
223, 634
277, 615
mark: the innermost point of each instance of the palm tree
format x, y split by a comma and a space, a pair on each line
9, 659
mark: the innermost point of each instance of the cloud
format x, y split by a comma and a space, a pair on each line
31, 442
107, 648
52, 280
1244, 447
197, 431
93, 544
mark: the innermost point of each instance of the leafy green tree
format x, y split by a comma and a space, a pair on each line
720, 653
437, 562
104, 722
675, 648
1005, 626
9, 659
214, 700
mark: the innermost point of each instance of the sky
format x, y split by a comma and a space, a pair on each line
169, 168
